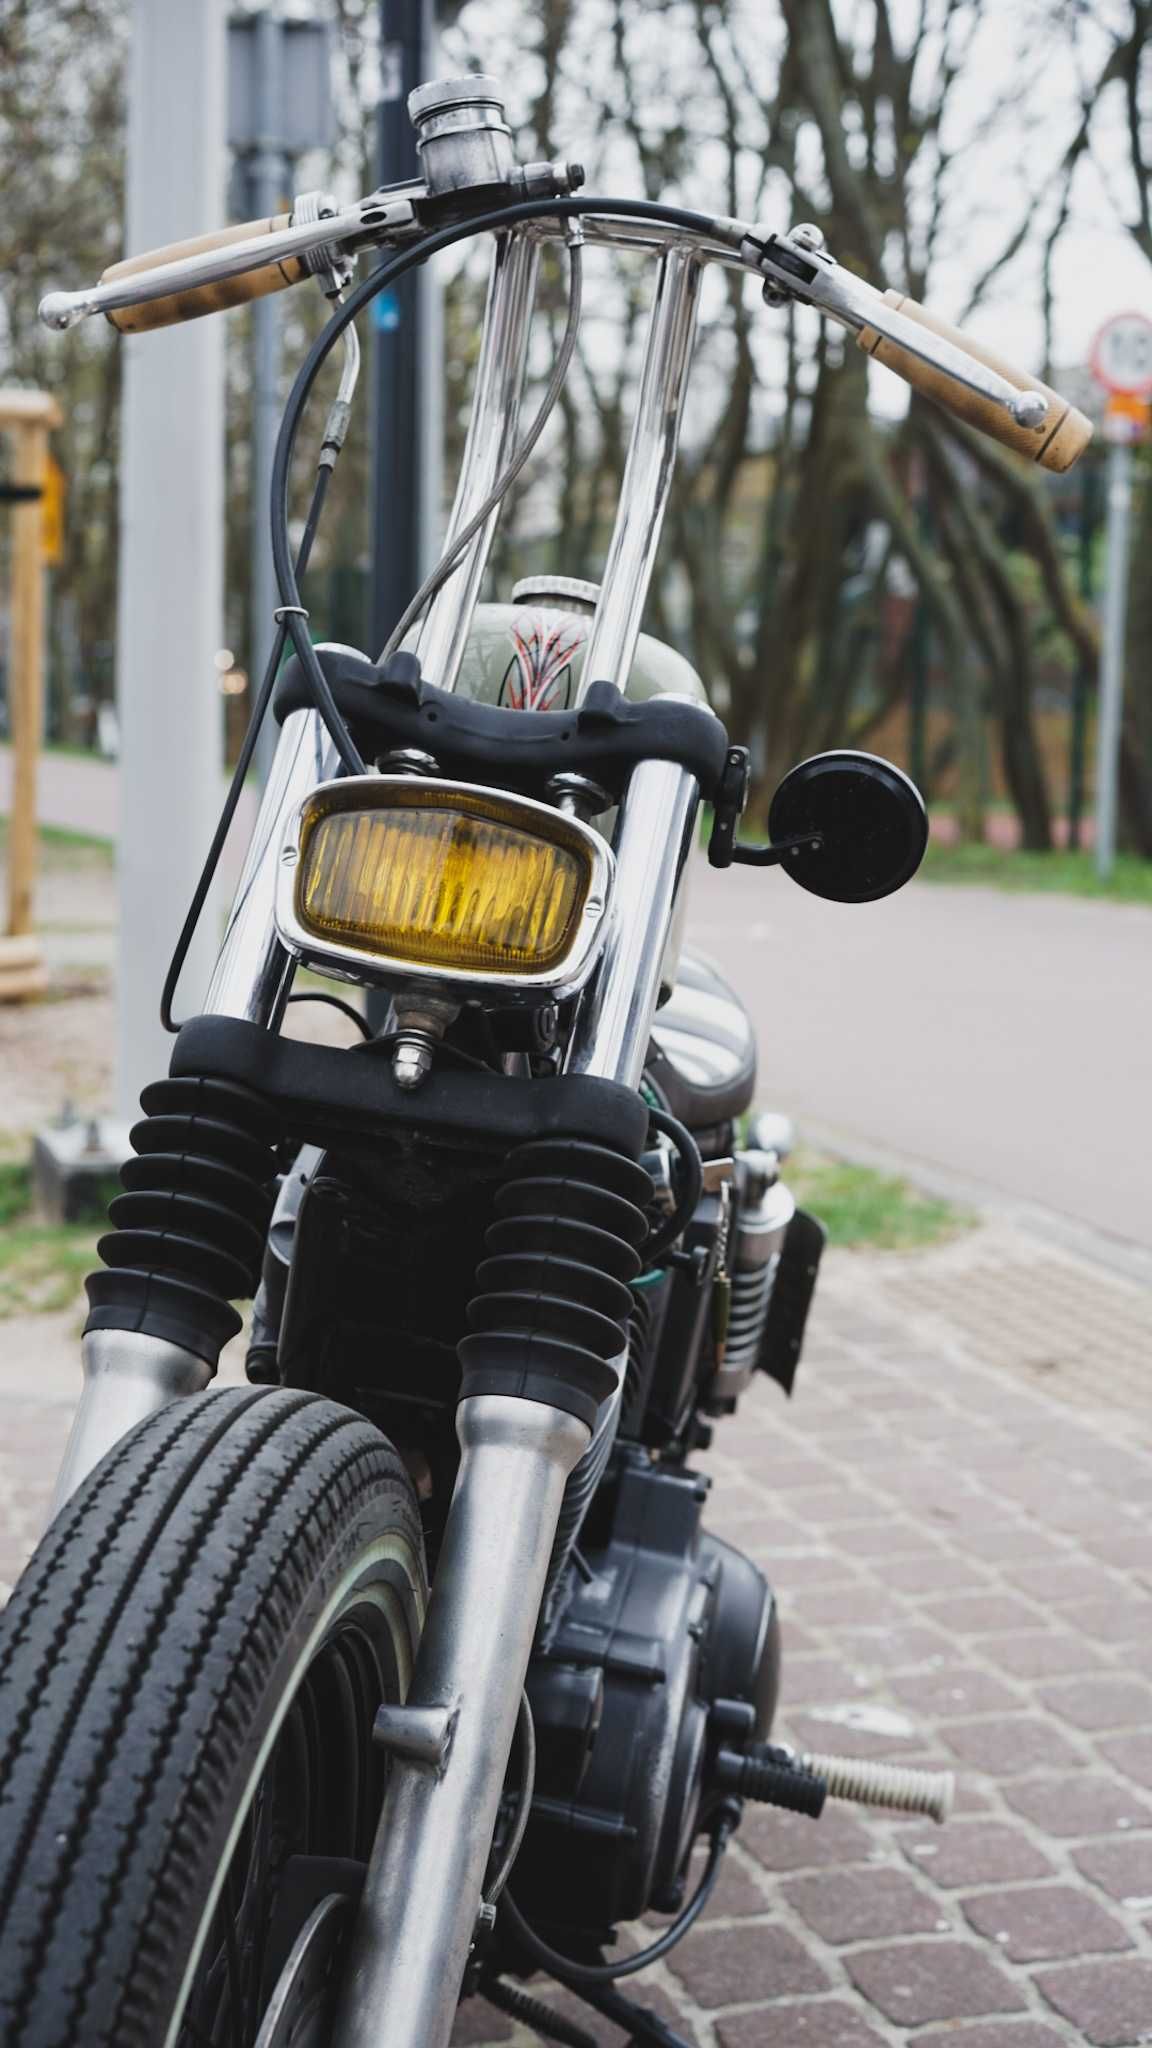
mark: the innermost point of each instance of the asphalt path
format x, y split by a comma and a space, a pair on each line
1004, 1039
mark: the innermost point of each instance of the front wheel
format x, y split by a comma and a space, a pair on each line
189, 1672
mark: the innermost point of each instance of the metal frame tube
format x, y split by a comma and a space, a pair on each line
422, 1893
442, 635
253, 972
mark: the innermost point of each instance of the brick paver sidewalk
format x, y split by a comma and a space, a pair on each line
965, 1571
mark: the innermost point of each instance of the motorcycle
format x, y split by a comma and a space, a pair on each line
411, 1669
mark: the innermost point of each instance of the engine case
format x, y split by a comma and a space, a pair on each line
670, 1620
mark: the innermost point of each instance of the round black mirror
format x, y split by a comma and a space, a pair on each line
871, 822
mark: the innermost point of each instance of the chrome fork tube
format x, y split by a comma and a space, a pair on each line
610, 1035
648, 471
423, 1889
611, 1032
491, 441
127, 1377
253, 973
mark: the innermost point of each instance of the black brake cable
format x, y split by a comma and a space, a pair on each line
240, 772
346, 1009
295, 614
692, 1187
293, 618
567, 1970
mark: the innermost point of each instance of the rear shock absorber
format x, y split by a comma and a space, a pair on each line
190, 1224
550, 1320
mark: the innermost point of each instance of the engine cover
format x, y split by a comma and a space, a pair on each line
663, 1621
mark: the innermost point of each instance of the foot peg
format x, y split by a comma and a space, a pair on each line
776, 1776
897, 1786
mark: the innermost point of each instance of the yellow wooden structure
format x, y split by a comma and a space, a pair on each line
27, 417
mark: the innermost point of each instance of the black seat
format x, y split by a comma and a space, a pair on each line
702, 1060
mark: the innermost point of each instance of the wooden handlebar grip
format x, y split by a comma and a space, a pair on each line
1056, 444
202, 298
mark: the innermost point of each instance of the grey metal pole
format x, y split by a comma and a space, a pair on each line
1111, 696
406, 421
172, 537
268, 176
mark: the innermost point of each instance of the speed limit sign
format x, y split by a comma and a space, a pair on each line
1121, 355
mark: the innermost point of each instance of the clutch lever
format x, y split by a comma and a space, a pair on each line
797, 266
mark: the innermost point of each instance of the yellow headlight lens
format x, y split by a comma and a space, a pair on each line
442, 878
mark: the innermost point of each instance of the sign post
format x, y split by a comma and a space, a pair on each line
1121, 360
279, 106
28, 417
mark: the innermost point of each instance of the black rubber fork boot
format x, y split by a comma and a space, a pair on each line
190, 1224
551, 1315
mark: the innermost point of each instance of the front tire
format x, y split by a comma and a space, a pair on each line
189, 1672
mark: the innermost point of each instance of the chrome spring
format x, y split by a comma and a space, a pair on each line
751, 1290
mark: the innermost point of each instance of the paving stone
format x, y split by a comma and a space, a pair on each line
812, 1568
728, 1966
898, 1645
820, 1731
939, 1573
957, 1689
1131, 1754
1122, 1868
478, 2023
1124, 1547
996, 1542
831, 1507
813, 1681
790, 1841
913, 1982
1010, 1745
736, 1896
1112, 1619
793, 1474
982, 1614
1090, 1804
1062, 1579
856, 1606
1110, 2002
1105, 1702
883, 1540
795, 1639
801, 2023
1001, 2034
1039, 1923
605, 2032
1044, 1654
976, 1852
863, 1905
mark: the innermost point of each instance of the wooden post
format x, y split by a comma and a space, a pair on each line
28, 416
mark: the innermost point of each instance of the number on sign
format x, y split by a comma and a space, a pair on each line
1122, 353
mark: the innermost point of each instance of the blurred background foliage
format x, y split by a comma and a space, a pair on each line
843, 568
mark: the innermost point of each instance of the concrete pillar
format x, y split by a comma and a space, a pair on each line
172, 536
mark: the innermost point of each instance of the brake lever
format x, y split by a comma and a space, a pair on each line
797, 266
314, 240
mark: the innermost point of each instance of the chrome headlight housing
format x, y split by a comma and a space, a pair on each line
391, 878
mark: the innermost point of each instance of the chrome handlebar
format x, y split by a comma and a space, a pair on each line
793, 266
